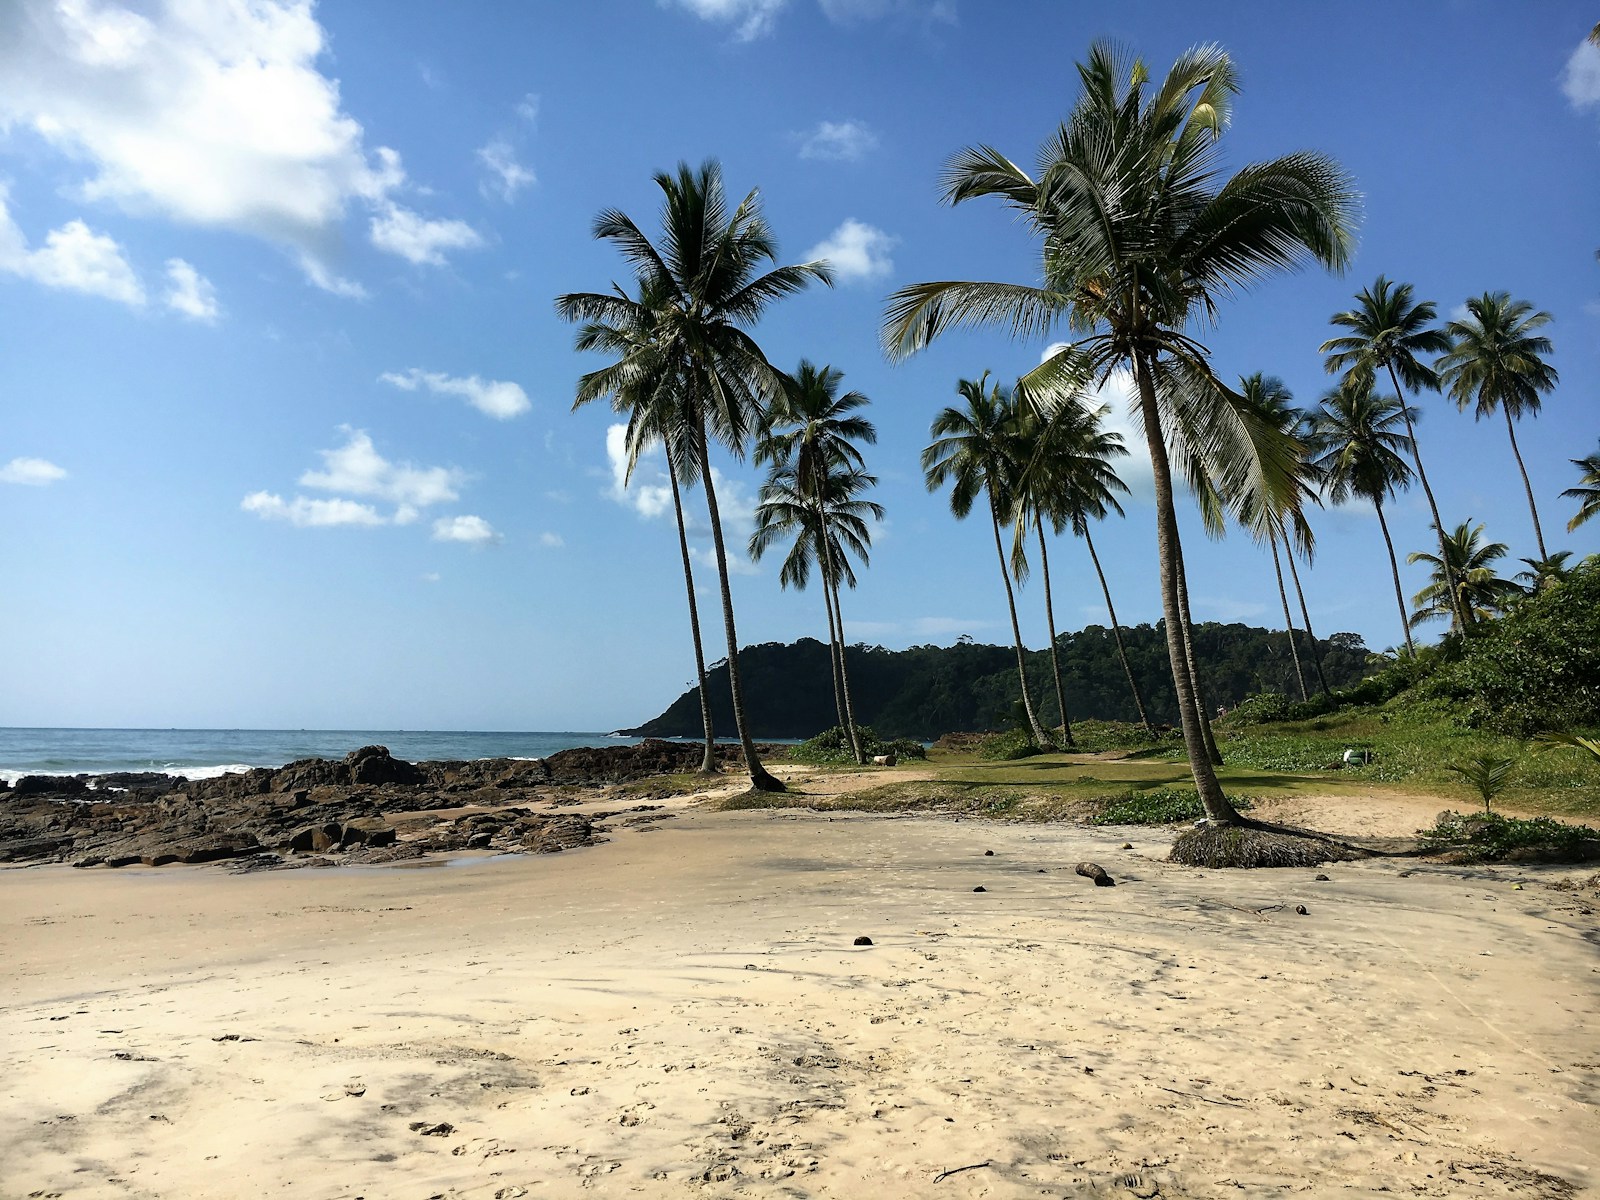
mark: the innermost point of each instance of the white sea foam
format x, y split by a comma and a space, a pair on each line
11, 775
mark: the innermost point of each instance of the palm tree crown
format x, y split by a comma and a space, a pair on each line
1356, 444
1387, 331
1481, 594
1587, 491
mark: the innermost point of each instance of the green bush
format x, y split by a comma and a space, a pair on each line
1004, 747
1260, 707
1485, 837
1158, 806
1093, 737
832, 747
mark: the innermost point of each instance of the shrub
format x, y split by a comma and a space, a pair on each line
1159, 806
832, 747
1260, 707
1486, 773
1485, 837
1004, 747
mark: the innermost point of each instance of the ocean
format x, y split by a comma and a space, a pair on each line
203, 753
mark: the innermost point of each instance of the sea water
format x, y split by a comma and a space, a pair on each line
203, 753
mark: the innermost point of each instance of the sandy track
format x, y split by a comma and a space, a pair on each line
681, 1012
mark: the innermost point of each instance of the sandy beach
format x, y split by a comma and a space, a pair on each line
682, 1012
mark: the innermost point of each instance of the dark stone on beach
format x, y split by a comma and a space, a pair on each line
26, 848
1095, 872
1322, 879
1302, 910
988, 853
316, 838
863, 940
442, 1129
51, 785
374, 764
367, 832
157, 782
980, 888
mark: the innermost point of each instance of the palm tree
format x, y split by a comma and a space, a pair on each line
1356, 451
652, 400
1497, 361
1063, 468
828, 523
974, 450
1142, 235
707, 284
812, 432
1588, 490
1480, 593
1545, 573
1387, 330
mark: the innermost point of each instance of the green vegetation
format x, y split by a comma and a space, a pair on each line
1159, 806
1486, 773
1489, 837
833, 746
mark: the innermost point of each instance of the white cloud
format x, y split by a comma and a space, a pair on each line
357, 469
528, 108
507, 176
31, 472
838, 141
497, 398
209, 114
751, 18
417, 239
1581, 80
856, 252
649, 493
553, 540
474, 531
73, 258
1117, 395
191, 293
430, 577
307, 513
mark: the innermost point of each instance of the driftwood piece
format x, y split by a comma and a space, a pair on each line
1097, 873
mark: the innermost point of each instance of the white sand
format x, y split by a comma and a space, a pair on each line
681, 1012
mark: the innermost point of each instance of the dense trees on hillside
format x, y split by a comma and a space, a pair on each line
925, 691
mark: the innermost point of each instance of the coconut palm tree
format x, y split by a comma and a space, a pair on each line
975, 452
652, 402
1545, 573
1142, 236
709, 280
1496, 361
1356, 450
813, 432
1063, 468
1388, 331
828, 523
1588, 490
1480, 593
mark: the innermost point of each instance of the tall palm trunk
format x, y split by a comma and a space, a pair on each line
1458, 618
1050, 619
844, 681
760, 778
1016, 629
1394, 568
833, 654
1538, 533
708, 764
1116, 632
1202, 706
1294, 652
1216, 805
1311, 636
830, 584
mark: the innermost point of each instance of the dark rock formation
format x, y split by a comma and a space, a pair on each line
367, 807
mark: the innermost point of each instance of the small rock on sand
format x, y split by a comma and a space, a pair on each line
863, 940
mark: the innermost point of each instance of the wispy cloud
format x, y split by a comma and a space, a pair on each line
417, 239
750, 19
305, 513
649, 493
850, 12
838, 141
498, 398
552, 540
857, 252
190, 293
474, 531
73, 258
1581, 80
506, 176
31, 472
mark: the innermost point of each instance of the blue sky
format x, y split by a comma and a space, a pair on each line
286, 438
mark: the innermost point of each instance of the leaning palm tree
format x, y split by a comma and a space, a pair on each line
1142, 236
812, 431
828, 523
1356, 449
1388, 331
1587, 491
708, 280
1496, 361
1064, 475
652, 401
975, 452
1468, 567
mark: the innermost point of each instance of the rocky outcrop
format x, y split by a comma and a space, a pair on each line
367, 807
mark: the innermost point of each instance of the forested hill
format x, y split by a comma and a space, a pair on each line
930, 690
